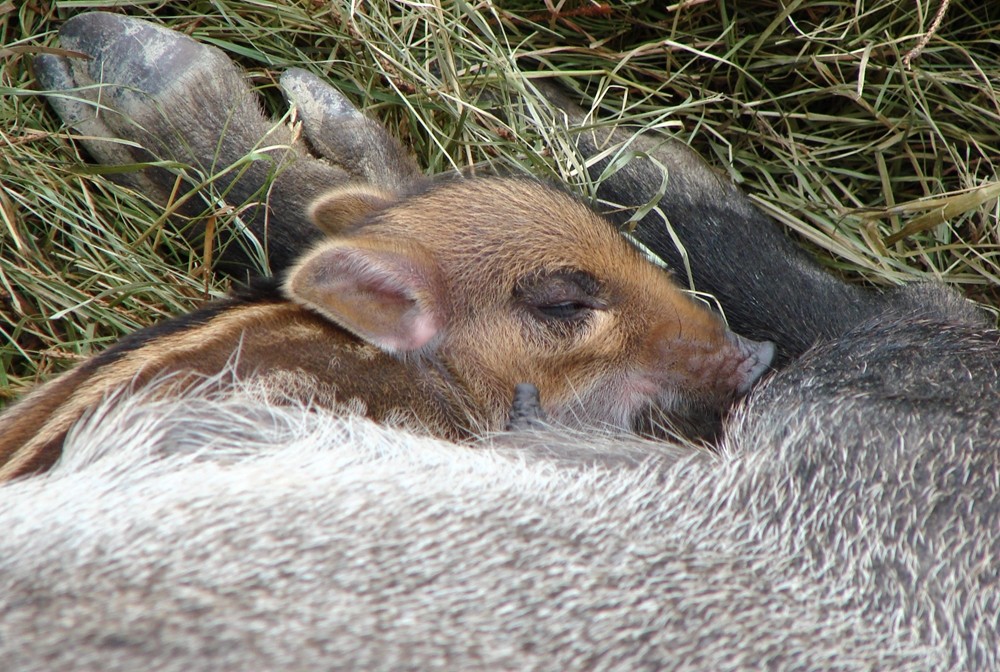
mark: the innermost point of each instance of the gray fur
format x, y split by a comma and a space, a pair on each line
330, 542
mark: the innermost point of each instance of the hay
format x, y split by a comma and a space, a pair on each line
870, 129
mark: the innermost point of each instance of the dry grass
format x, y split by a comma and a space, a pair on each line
888, 171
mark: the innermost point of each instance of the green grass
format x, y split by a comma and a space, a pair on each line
888, 172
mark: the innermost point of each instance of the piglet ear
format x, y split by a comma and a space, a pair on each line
386, 292
341, 209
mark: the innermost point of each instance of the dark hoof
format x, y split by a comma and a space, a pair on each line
343, 135
525, 410
135, 55
137, 86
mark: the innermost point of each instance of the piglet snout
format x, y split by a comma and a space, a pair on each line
756, 359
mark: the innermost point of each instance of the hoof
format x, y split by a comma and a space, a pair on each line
136, 58
344, 136
525, 410
143, 88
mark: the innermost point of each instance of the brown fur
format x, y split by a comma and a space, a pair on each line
266, 339
432, 307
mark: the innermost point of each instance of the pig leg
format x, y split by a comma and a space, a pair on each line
157, 96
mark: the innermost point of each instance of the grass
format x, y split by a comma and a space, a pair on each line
870, 135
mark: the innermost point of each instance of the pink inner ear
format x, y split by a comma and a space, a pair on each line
391, 292
380, 291
418, 332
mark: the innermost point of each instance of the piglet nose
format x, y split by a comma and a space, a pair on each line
757, 357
